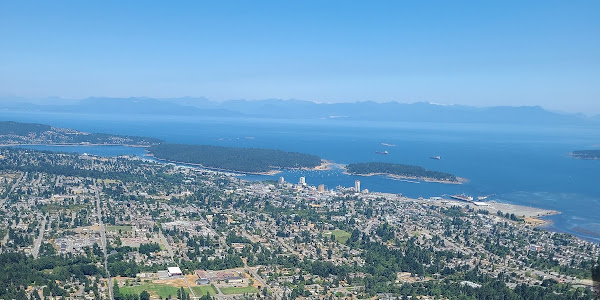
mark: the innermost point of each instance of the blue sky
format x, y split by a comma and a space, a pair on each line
453, 52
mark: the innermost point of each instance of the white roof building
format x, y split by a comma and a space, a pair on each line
174, 271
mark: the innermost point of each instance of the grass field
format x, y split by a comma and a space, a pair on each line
55, 207
201, 290
123, 228
341, 236
161, 290
239, 290
50, 207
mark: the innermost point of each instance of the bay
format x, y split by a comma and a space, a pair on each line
526, 165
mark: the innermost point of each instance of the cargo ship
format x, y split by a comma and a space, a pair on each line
382, 152
436, 157
462, 197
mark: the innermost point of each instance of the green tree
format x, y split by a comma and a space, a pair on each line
144, 295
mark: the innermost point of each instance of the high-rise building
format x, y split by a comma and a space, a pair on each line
321, 188
281, 180
302, 181
357, 186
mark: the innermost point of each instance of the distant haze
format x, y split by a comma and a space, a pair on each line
297, 109
478, 53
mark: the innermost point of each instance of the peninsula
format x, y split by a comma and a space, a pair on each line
401, 171
586, 154
16, 133
244, 160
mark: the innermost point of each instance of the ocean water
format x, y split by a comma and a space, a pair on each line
527, 165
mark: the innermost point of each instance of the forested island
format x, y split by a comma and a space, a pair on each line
16, 133
401, 171
246, 160
586, 154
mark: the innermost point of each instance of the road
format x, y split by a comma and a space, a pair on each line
5, 239
103, 240
164, 241
262, 281
256, 275
38, 242
223, 243
189, 287
12, 188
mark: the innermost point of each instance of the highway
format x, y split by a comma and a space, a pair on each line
103, 240
38, 242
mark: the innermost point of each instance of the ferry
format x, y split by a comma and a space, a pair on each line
462, 197
436, 157
382, 152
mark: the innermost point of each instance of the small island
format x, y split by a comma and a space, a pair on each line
586, 154
242, 160
17, 133
402, 171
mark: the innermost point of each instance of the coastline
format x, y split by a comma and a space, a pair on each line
268, 173
585, 156
538, 222
326, 165
459, 180
533, 216
77, 144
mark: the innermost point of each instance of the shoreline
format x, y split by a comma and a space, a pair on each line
459, 180
585, 156
76, 144
532, 216
268, 173
539, 223
326, 165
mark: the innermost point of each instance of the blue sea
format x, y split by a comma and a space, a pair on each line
527, 165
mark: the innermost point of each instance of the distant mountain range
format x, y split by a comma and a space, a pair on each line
298, 109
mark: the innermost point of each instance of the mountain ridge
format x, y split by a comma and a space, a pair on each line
302, 109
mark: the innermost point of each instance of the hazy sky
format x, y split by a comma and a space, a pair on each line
473, 52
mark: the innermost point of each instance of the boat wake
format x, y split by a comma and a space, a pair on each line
405, 180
